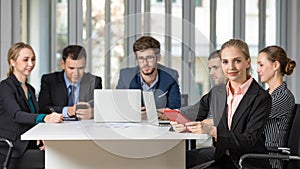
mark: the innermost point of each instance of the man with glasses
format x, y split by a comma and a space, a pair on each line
70, 91
151, 76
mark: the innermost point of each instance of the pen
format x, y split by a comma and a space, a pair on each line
159, 111
51, 110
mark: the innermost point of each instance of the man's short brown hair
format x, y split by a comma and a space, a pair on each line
146, 42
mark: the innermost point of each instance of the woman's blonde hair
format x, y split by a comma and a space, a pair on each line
243, 46
13, 54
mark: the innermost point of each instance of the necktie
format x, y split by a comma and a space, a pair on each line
71, 96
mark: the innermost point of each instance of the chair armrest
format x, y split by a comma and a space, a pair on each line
9, 143
266, 156
10, 146
204, 165
283, 150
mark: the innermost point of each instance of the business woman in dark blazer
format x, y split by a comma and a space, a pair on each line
240, 111
18, 106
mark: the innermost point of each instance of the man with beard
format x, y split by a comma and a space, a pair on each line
151, 76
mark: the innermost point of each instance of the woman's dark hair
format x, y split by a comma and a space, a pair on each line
276, 53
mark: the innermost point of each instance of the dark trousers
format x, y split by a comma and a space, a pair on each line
224, 163
32, 159
199, 156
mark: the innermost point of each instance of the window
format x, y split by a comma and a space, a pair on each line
104, 35
61, 30
198, 3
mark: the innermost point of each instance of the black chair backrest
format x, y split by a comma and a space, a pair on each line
294, 140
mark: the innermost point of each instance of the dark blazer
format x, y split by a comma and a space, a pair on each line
248, 123
54, 92
166, 92
15, 115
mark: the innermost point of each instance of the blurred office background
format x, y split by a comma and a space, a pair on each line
187, 29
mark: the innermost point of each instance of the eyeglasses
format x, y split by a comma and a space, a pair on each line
149, 58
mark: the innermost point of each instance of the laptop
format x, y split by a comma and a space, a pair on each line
151, 110
117, 105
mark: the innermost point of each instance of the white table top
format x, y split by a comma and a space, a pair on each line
89, 130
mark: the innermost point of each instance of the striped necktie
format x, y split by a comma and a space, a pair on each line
71, 95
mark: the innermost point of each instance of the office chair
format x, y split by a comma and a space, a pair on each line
10, 146
290, 154
26, 160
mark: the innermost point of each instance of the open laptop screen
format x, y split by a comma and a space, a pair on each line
117, 105
151, 110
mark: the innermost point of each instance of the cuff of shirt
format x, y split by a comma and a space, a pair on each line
65, 112
40, 118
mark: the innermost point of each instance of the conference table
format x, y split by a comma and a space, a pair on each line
88, 145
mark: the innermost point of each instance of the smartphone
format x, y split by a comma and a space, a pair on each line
81, 106
70, 119
176, 115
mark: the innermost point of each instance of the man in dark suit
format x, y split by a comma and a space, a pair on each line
63, 91
151, 76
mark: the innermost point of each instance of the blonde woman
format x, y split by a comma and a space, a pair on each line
239, 109
18, 106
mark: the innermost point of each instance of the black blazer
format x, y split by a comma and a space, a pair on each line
248, 123
15, 115
54, 92
166, 94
